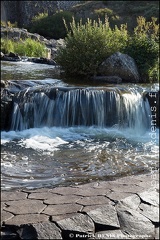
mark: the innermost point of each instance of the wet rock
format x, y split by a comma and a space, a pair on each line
105, 215
79, 223
43, 61
120, 65
25, 206
62, 209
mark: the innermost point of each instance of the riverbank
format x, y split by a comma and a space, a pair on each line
126, 208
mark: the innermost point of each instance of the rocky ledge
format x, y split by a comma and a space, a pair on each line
126, 208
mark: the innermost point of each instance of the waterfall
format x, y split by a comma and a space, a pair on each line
67, 107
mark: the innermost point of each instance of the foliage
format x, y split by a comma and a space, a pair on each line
29, 47
144, 48
88, 44
51, 26
8, 24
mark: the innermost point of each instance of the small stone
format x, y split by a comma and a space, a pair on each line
105, 215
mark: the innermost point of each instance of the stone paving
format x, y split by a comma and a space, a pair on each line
126, 208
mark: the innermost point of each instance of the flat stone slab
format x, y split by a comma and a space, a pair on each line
151, 197
6, 216
47, 230
58, 199
94, 200
105, 215
27, 218
12, 196
78, 223
126, 208
150, 211
62, 209
25, 206
134, 223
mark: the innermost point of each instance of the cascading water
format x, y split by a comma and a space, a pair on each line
80, 107
62, 134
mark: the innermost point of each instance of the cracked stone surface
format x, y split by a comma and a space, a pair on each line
78, 223
105, 215
126, 208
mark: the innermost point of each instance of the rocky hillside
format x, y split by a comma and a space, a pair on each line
118, 12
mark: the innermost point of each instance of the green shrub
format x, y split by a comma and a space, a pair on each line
7, 45
51, 26
144, 48
87, 45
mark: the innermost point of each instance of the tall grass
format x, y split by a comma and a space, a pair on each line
28, 47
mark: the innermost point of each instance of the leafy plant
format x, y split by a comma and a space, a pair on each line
29, 47
88, 44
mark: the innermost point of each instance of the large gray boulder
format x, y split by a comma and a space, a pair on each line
120, 65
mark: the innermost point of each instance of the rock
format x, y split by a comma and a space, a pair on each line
6, 109
11, 196
79, 223
120, 65
62, 209
43, 61
105, 215
134, 223
132, 201
151, 197
57, 199
107, 79
93, 200
64, 190
25, 206
150, 211
47, 230
42, 195
2, 55
26, 219
5, 216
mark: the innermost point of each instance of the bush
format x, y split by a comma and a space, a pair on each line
87, 45
51, 26
143, 47
29, 47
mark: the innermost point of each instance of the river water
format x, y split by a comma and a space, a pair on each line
77, 151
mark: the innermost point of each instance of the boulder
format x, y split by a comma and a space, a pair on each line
120, 65
106, 79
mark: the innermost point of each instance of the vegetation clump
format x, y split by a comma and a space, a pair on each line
88, 44
28, 47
